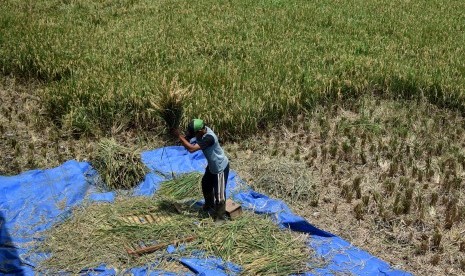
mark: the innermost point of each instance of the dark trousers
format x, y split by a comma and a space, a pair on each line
214, 189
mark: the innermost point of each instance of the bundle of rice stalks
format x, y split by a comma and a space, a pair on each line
182, 187
100, 232
118, 166
169, 105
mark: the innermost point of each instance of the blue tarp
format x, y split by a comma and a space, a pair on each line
33, 201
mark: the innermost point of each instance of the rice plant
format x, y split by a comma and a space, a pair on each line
91, 80
169, 104
117, 165
182, 187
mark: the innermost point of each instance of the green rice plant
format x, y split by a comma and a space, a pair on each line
461, 213
365, 200
296, 151
389, 187
407, 200
333, 168
363, 157
382, 211
310, 163
314, 197
347, 150
435, 259
333, 149
422, 248
420, 176
119, 167
182, 187
419, 202
372, 148
393, 168
397, 206
451, 213
377, 197
324, 152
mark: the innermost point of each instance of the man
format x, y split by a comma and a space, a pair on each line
216, 174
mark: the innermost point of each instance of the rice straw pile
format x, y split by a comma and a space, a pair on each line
182, 187
97, 234
118, 166
169, 105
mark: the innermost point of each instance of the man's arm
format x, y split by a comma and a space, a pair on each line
191, 148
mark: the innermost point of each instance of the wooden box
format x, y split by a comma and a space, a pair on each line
233, 210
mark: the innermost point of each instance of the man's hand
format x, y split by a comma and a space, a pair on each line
191, 148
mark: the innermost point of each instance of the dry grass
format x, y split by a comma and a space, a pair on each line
118, 166
100, 235
271, 175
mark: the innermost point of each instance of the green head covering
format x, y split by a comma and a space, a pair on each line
194, 126
198, 124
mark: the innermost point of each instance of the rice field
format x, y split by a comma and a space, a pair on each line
102, 61
364, 100
386, 175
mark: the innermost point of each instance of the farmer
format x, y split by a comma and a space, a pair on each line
216, 174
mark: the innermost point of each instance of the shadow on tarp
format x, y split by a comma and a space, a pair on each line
31, 203
10, 263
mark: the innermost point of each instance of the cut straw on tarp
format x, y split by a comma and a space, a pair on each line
119, 167
182, 187
98, 234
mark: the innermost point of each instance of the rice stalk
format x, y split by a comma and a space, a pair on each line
169, 105
99, 235
118, 166
182, 187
